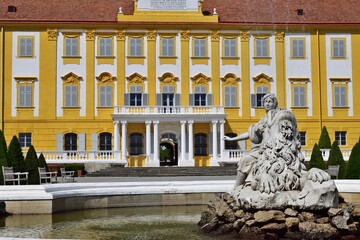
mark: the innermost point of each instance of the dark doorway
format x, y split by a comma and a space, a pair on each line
168, 152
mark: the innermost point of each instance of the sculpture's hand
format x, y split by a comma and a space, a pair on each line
267, 184
318, 175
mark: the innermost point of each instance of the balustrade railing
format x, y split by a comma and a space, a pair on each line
168, 110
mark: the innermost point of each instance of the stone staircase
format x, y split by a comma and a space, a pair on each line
120, 171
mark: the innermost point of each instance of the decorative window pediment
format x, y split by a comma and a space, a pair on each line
168, 78
262, 78
105, 77
136, 78
71, 78
230, 79
200, 79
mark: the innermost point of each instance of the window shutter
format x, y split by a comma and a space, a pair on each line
209, 99
158, 99
82, 142
191, 99
145, 99
94, 141
127, 99
253, 100
59, 142
177, 99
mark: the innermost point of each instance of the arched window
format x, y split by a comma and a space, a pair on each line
105, 141
200, 144
70, 142
136, 143
231, 144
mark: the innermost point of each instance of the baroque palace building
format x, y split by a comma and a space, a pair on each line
160, 82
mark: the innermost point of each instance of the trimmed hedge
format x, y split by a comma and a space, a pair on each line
336, 158
16, 157
31, 162
324, 140
353, 166
316, 160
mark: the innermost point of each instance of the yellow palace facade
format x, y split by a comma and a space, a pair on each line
160, 82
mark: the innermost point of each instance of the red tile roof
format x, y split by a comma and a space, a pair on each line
230, 11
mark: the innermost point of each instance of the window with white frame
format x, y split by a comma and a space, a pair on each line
105, 45
200, 144
136, 143
256, 99
105, 141
340, 137
262, 47
338, 48
25, 95
71, 46
199, 47
299, 96
136, 46
229, 47
71, 96
200, 96
70, 143
230, 96
298, 48
25, 140
26, 46
105, 96
302, 136
135, 95
340, 96
167, 47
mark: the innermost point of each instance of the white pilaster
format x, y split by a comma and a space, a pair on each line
183, 140
123, 141
116, 136
222, 142
191, 141
148, 139
156, 142
214, 143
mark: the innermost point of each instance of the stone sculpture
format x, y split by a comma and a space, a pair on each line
273, 174
274, 195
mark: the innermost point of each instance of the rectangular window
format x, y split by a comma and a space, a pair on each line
105, 96
339, 96
340, 137
25, 140
26, 47
135, 47
200, 144
299, 96
105, 47
338, 48
199, 47
256, 99
135, 95
230, 96
71, 96
200, 96
302, 136
261, 47
136, 144
72, 46
298, 48
229, 47
167, 47
25, 96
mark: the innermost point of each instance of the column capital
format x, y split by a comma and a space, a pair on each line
155, 122
52, 34
190, 122
214, 122
124, 122
120, 35
222, 122
183, 122
116, 122
90, 35
147, 122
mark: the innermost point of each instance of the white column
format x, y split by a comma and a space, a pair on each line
214, 138
116, 136
183, 140
123, 141
156, 141
148, 139
222, 142
191, 140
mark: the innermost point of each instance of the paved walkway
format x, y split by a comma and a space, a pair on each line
151, 179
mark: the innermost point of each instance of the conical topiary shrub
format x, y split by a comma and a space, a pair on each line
324, 140
353, 165
3, 162
31, 162
15, 154
316, 160
42, 162
336, 158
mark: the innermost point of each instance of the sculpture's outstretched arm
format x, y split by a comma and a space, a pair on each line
242, 136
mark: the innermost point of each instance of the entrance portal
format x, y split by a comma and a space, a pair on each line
168, 152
